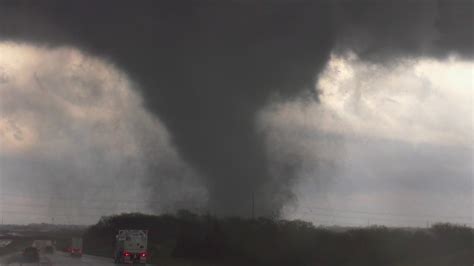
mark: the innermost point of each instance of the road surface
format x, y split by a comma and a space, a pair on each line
59, 259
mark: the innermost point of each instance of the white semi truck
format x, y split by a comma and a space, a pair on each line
44, 245
131, 246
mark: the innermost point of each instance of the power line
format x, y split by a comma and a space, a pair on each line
147, 202
335, 213
388, 213
85, 199
53, 206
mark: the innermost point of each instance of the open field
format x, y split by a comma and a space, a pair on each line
458, 258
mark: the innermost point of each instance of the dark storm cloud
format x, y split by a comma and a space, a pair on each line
206, 68
380, 30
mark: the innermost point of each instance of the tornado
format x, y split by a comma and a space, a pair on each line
207, 68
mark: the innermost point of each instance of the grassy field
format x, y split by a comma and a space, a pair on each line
455, 259
188, 262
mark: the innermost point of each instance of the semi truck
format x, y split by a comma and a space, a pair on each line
131, 246
76, 247
44, 245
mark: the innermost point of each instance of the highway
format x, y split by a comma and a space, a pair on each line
58, 258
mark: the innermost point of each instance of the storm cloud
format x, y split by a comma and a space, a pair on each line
77, 142
207, 69
383, 138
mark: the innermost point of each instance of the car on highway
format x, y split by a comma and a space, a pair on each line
30, 254
75, 252
49, 250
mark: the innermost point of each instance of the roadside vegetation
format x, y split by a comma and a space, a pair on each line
237, 241
15, 245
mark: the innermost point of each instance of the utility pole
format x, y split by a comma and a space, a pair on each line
253, 205
1, 192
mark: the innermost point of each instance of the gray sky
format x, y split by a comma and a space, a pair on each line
345, 112
76, 141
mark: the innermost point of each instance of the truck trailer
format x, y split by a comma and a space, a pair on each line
44, 245
76, 247
131, 246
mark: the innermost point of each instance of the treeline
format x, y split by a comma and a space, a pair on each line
280, 242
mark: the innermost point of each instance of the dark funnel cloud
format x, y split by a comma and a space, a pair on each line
206, 68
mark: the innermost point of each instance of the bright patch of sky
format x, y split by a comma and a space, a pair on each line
393, 138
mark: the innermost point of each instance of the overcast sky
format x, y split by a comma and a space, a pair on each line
333, 113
